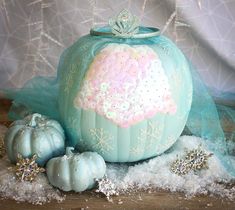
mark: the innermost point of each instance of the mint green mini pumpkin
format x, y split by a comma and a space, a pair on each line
75, 171
125, 97
35, 134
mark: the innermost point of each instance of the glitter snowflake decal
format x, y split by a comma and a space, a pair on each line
170, 140
195, 160
102, 139
151, 135
137, 150
107, 187
152, 131
27, 169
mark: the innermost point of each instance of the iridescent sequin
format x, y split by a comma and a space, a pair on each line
126, 84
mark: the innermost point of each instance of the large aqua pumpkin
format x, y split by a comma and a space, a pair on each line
75, 171
127, 99
35, 134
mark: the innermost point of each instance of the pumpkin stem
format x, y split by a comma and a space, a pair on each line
32, 121
69, 151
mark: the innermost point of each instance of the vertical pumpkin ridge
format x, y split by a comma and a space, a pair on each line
51, 141
70, 169
93, 169
162, 133
165, 118
96, 119
33, 142
146, 142
116, 140
88, 171
129, 150
55, 172
35, 145
117, 147
15, 144
81, 130
66, 169
12, 132
28, 141
67, 100
129, 138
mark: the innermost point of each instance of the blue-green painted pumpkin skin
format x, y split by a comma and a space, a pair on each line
35, 135
75, 172
143, 140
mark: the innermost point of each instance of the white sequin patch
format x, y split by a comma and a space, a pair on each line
126, 84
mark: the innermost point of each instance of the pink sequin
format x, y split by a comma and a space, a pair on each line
126, 84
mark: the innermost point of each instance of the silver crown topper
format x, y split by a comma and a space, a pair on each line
125, 25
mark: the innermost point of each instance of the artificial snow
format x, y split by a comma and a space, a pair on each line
37, 192
154, 174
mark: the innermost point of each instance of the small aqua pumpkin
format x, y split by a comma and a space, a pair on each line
75, 171
35, 134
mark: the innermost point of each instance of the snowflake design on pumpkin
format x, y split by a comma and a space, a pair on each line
126, 84
152, 134
102, 139
137, 150
169, 141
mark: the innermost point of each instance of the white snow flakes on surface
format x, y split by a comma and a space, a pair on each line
37, 192
156, 174
153, 174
